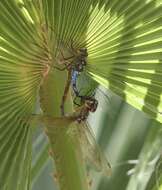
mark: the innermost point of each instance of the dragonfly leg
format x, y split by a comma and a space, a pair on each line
67, 86
67, 66
60, 69
83, 115
74, 101
66, 58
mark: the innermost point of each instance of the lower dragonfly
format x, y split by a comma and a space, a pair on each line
90, 149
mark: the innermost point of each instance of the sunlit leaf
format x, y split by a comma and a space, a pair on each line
20, 76
124, 43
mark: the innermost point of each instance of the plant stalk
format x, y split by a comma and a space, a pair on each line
65, 148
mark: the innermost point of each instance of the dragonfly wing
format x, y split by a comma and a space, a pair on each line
91, 150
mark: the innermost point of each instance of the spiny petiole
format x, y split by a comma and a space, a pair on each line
51, 120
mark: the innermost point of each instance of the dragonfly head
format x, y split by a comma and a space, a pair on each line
83, 52
91, 104
80, 60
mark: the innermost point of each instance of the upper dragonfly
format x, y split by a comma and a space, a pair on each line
74, 63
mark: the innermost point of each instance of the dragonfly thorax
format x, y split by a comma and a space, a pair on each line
80, 63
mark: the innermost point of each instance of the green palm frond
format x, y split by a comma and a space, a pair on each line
20, 75
124, 43
125, 52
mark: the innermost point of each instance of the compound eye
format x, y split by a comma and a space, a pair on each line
83, 52
94, 105
93, 109
96, 102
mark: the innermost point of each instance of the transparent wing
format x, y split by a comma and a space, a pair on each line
91, 150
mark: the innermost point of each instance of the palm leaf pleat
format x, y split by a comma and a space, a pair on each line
20, 76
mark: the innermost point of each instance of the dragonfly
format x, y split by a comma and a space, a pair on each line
74, 63
91, 151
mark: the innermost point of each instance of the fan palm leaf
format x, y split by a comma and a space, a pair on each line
123, 39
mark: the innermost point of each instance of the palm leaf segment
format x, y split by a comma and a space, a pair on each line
20, 76
125, 48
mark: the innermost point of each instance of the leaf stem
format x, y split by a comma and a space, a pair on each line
65, 148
